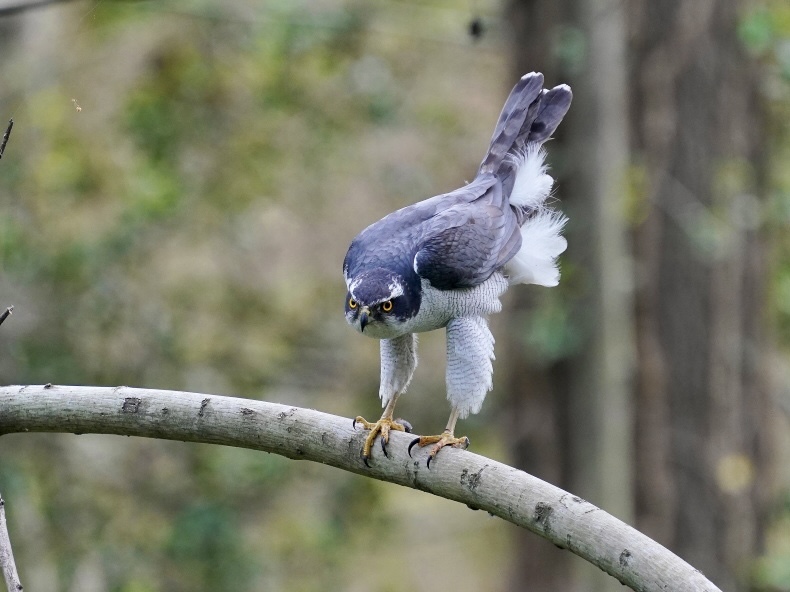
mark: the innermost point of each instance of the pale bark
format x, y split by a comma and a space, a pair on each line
304, 434
7, 564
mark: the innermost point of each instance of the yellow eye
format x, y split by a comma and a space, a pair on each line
352, 303
386, 306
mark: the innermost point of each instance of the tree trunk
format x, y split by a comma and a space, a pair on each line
702, 407
573, 414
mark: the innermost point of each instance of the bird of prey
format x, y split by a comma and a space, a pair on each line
445, 261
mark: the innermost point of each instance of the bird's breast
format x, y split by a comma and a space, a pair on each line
438, 307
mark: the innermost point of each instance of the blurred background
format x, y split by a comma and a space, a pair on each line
176, 199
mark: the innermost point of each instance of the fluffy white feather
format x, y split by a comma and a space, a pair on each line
541, 244
532, 186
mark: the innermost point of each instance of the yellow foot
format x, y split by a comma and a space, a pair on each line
445, 439
383, 427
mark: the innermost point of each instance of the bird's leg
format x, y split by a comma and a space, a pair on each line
383, 427
446, 438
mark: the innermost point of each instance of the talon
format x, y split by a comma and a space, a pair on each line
446, 438
413, 442
354, 424
381, 429
406, 425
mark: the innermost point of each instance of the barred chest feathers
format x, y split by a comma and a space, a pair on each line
438, 307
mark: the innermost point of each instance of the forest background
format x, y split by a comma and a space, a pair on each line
181, 184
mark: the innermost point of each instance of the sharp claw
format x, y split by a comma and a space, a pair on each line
365, 460
467, 442
413, 442
354, 424
406, 425
384, 448
430, 458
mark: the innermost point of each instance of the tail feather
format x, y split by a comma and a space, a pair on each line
530, 115
512, 120
554, 104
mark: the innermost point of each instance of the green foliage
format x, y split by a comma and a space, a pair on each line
206, 549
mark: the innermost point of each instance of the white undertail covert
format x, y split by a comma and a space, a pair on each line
541, 234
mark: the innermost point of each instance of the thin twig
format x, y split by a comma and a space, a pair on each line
478, 482
12, 9
6, 555
6, 313
6, 135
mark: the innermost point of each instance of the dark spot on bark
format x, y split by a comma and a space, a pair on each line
299, 451
165, 410
48, 385
284, 414
472, 507
288, 429
543, 512
577, 499
203, 404
625, 558
131, 405
246, 411
471, 480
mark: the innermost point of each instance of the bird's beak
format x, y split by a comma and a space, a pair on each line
363, 318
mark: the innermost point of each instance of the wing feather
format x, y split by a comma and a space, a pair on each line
465, 243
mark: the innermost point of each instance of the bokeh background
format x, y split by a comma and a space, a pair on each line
181, 184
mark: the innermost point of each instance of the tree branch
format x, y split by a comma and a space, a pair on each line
6, 136
7, 564
304, 434
12, 9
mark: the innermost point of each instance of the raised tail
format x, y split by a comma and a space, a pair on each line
529, 117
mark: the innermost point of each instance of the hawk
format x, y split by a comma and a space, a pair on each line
445, 261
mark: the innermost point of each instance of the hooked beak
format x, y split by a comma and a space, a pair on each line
363, 318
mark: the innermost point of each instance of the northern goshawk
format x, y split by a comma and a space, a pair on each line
445, 261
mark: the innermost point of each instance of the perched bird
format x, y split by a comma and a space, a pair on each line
445, 261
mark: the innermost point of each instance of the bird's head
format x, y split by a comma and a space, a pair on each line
380, 302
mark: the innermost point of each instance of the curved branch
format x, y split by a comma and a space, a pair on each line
480, 483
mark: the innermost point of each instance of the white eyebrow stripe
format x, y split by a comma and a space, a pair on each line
353, 286
395, 290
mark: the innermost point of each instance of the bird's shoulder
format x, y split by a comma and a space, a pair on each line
467, 242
